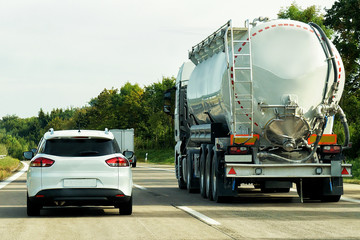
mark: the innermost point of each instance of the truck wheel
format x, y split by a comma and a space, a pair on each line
202, 173
32, 209
192, 182
208, 172
333, 198
179, 173
217, 180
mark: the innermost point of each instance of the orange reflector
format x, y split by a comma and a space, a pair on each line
326, 139
246, 139
232, 171
344, 172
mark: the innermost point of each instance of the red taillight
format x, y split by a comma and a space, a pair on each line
42, 162
117, 162
331, 149
238, 150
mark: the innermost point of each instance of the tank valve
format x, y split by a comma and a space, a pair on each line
289, 145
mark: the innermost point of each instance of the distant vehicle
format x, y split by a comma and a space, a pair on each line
256, 104
79, 167
125, 139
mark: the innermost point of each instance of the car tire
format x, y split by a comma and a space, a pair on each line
134, 163
126, 208
32, 209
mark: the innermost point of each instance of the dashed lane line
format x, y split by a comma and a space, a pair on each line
190, 211
140, 187
15, 176
198, 215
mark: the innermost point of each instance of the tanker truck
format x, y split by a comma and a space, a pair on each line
256, 105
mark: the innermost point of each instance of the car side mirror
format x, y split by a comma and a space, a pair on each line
34, 150
28, 155
128, 154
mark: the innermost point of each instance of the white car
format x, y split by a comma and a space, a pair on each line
76, 168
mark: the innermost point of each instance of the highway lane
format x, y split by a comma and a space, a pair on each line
159, 213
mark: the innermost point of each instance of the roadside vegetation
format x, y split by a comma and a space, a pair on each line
141, 108
158, 156
7, 166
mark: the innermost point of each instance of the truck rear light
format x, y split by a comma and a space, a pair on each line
117, 162
42, 162
238, 150
331, 149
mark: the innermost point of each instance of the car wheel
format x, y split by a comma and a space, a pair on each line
134, 163
32, 209
126, 208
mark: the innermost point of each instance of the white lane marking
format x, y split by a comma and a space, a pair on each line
198, 215
15, 176
349, 199
140, 187
159, 169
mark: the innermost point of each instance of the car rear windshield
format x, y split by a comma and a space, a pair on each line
80, 147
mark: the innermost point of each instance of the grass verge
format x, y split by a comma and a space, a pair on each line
7, 166
158, 156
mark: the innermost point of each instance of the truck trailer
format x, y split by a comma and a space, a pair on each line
256, 105
125, 139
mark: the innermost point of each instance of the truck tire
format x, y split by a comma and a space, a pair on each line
319, 189
192, 182
217, 179
203, 154
208, 172
179, 173
333, 198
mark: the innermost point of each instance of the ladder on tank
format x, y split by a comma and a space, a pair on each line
241, 82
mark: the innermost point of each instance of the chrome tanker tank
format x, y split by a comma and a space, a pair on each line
275, 79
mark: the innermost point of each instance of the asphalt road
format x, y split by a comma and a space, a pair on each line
162, 211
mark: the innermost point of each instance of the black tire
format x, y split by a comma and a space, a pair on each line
192, 183
179, 173
126, 208
134, 163
333, 198
202, 173
32, 209
217, 181
208, 173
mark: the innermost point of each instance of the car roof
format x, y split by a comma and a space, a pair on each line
78, 133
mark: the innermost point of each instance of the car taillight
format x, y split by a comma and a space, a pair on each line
42, 162
331, 149
117, 162
238, 150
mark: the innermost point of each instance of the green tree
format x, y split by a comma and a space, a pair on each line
344, 18
310, 14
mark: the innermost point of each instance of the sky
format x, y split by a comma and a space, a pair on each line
61, 53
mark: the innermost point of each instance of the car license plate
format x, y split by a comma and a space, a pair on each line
79, 182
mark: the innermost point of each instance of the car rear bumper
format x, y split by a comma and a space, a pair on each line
80, 197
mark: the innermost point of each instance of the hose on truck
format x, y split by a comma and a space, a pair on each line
346, 127
277, 157
327, 52
318, 137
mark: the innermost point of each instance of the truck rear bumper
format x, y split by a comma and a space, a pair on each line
308, 170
